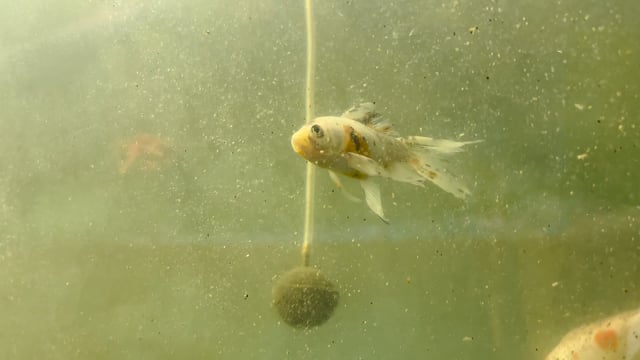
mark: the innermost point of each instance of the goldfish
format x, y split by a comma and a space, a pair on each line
617, 337
362, 145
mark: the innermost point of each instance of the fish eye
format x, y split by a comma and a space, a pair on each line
317, 131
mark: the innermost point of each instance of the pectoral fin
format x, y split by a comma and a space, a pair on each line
372, 195
336, 180
365, 165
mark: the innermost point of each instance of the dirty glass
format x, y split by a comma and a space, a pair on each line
150, 198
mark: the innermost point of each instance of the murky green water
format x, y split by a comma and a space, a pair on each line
174, 255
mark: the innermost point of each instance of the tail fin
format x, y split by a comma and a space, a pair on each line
426, 160
441, 146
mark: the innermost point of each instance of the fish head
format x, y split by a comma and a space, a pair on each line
320, 141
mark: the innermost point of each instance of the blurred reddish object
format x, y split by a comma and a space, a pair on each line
145, 152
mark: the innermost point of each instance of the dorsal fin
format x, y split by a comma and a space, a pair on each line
366, 114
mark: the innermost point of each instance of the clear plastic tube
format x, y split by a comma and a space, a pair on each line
309, 104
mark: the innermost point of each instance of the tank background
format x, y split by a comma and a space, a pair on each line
180, 262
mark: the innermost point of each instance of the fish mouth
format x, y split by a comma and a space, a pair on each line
301, 143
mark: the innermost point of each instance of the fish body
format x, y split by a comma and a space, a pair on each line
361, 144
614, 338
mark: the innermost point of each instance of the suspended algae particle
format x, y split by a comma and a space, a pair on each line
304, 297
